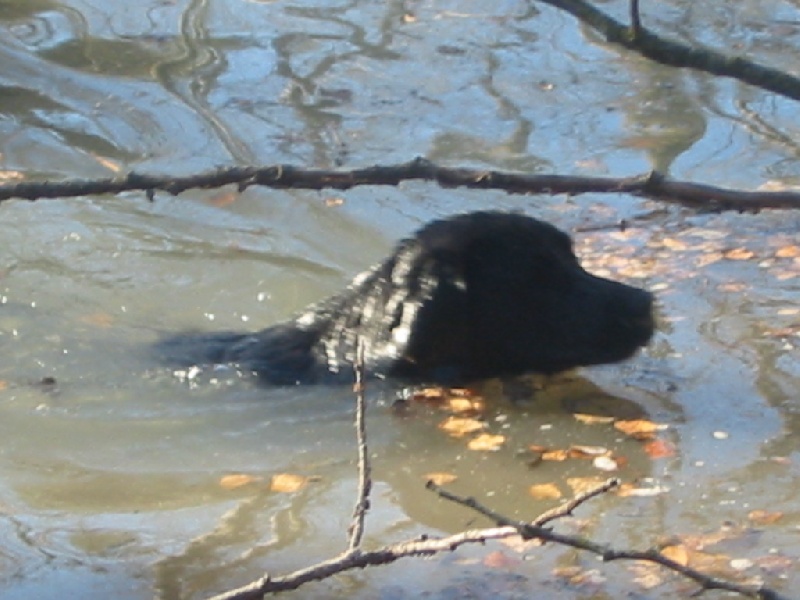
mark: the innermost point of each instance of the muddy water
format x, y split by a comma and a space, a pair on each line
110, 465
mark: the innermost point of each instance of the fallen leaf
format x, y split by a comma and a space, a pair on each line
499, 560
791, 251
3, 384
732, 287
441, 478
237, 480
707, 259
658, 448
461, 426
545, 491
556, 455
580, 485
8, 176
739, 254
287, 482
98, 319
678, 553
593, 419
334, 201
640, 429
223, 198
674, 244
486, 442
537, 448
763, 517
587, 451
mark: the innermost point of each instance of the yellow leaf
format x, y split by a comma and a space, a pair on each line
461, 426
580, 485
486, 442
640, 429
287, 482
678, 553
545, 491
762, 517
441, 478
791, 251
237, 480
739, 254
674, 244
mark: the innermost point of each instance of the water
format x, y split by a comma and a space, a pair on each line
111, 466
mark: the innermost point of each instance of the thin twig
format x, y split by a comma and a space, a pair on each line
364, 469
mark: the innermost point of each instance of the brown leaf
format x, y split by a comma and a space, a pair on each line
287, 483
441, 478
545, 491
461, 426
486, 442
658, 448
237, 480
499, 560
556, 455
576, 451
3, 384
334, 201
223, 198
763, 517
640, 429
739, 254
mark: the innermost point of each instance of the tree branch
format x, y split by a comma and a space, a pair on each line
670, 53
604, 551
650, 185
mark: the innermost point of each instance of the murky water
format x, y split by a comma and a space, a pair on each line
111, 466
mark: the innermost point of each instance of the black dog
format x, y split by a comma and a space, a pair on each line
475, 296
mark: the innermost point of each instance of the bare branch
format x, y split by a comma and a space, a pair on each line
667, 52
650, 185
604, 551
